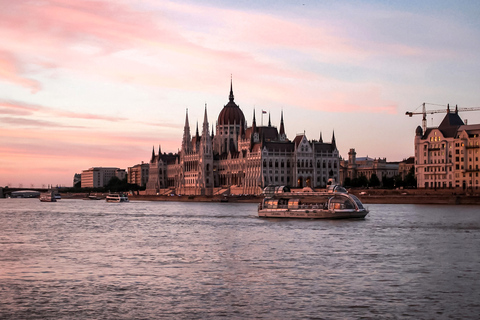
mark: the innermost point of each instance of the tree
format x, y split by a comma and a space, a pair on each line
388, 183
410, 180
347, 182
362, 181
374, 181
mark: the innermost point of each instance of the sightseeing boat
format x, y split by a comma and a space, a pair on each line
117, 197
48, 196
333, 203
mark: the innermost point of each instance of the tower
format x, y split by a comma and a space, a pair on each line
187, 139
205, 178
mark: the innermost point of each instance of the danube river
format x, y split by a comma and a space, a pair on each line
78, 259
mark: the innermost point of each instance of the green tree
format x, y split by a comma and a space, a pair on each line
374, 181
362, 181
410, 180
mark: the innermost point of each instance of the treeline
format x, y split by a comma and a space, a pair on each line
387, 182
114, 185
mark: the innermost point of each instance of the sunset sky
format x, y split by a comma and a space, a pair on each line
99, 83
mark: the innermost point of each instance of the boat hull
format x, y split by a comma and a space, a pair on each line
116, 198
312, 214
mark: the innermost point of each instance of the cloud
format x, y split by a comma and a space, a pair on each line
10, 71
22, 108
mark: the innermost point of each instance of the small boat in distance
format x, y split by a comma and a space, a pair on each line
333, 203
93, 197
48, 196
117, 197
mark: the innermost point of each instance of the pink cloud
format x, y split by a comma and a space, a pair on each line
10, 72
22, 108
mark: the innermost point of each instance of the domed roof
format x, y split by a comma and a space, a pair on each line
419, 131
231, 113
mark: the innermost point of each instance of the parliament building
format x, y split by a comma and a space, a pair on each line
238, 159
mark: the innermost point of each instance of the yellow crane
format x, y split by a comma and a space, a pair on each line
425, 111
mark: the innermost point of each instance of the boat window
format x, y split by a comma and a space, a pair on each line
293, 203
340, 203
271, 204
357, 201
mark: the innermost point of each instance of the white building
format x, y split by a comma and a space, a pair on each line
97, 177
447, 156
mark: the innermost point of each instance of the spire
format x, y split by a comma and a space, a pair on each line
230, 97
213, 135
187, 140
159, 150
205, 122
282, 127
254, 123
321, 139
153, 154
456, 109
269, 122
197, 135
334, 144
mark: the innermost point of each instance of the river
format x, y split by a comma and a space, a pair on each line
77, 259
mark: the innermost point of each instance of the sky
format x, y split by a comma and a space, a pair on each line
100, 83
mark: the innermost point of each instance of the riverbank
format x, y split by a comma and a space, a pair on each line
367, 196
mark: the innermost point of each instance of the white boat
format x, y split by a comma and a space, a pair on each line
48, 196
117, 197
333, 203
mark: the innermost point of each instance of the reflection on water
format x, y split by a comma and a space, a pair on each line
144, 260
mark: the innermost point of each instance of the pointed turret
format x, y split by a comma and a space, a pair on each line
187, 140
269, 121
254, 122
159, 150
205, 122
321, 138
153, 154
282, 126
334, 144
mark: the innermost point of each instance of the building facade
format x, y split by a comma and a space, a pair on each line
138, 174
365, 166
240, 159
98, 177
447, 156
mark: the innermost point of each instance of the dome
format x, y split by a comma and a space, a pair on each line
419, 131
231, 113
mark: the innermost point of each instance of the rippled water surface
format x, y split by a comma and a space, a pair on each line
78, 259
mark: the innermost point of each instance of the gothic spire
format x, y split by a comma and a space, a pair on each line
269, 122
282, 127
230, 97
153, 154
334, 144
321, 139
187, 140
205, 122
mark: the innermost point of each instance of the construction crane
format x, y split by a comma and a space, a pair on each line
424, 112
